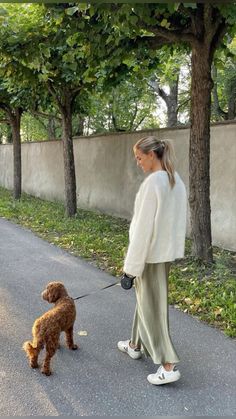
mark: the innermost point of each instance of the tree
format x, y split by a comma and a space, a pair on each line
165, 81
170, 99
52, 48
17, 87
13, 114
53, 45
201, 27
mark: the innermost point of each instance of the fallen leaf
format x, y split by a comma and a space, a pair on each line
188, 301
218, 311
83, 333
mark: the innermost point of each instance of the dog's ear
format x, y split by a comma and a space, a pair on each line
56, 291
53, 295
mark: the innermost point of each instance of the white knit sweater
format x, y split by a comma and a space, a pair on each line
158, 227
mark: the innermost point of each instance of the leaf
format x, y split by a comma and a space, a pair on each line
218, 311
188, 301
197, 302
129, 62
71, 10
83, 333
164, 23
83, 7
91, 11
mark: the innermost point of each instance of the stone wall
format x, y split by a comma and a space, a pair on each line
108, 178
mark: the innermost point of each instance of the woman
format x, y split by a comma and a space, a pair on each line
156, 237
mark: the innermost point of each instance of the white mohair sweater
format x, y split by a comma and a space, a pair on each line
158, 227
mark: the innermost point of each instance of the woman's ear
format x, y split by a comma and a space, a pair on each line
152, 154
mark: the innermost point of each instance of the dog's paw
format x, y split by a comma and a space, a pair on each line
74, 347
46, 372
34, 364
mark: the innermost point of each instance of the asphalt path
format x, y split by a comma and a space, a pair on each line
98, 380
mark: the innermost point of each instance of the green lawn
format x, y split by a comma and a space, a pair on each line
207, 292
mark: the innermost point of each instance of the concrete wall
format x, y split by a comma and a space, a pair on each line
108, 178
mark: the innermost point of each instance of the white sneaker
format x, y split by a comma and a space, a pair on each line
164, 377
124, 346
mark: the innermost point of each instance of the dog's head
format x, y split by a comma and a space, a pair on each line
54, 291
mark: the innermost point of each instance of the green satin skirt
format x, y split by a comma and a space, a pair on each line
150, 329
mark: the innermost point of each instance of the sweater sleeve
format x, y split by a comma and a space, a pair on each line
142, 230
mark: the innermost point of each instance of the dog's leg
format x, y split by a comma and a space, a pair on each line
32, 353
69, 339
51, 347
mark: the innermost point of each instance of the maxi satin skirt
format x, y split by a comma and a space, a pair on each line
150, 329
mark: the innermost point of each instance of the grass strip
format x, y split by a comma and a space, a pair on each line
205, 291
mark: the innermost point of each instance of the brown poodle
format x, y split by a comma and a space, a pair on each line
47, 328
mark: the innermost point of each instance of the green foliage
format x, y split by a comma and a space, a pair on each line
126, 107
32, 129
207, 292
5, 133
225, 80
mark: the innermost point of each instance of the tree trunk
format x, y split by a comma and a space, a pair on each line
199, 153
51, 128
15, 119
9, 137
69, 165
172, 104
171, 99
80, 127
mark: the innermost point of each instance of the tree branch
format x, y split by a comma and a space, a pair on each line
139, 123
183, 103
155, 86
45, 115
5, 107
210, 24
220, 32
133, 117
53, 92
164, 35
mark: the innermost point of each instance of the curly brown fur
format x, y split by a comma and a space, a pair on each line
47, 328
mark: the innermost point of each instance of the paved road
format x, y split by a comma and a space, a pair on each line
98, 379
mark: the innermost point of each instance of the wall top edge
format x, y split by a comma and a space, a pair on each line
116, 134
178, 128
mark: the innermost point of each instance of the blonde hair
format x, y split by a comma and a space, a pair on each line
164, 152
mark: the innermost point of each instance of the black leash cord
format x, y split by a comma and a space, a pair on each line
94, 292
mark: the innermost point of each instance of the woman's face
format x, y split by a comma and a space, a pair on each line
145, 161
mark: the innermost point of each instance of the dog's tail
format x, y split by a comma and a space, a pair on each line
27, 347
30, 347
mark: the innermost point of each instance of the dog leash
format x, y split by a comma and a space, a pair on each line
94, 292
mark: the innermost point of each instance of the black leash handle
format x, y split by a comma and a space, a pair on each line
94, 292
